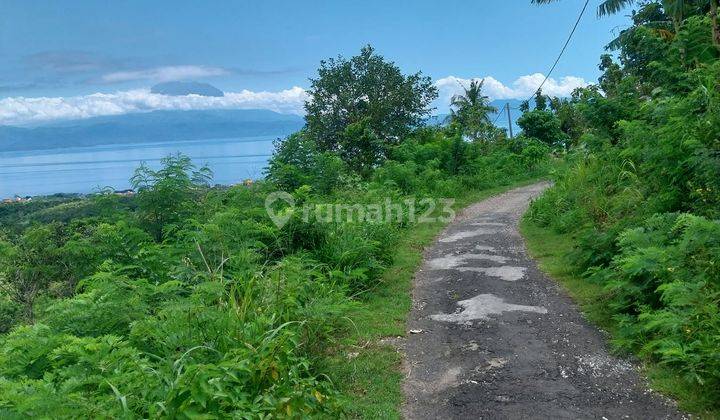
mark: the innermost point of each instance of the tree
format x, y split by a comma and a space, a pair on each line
165, 195
542, 125
677, 9
571, 120
541, 101
651, 15
373, 95
612, 75
470, 112
297, 162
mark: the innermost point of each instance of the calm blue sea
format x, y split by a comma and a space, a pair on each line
86, 169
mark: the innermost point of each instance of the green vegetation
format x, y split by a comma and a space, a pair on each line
470, 112
639, 200
542, 123
187, 301
362, 107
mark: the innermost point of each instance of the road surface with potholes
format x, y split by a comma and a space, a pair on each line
492, 337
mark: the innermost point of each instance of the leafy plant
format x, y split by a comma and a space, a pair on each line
366, 99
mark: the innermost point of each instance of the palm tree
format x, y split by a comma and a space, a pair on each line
470, 110
610, 7
675, 8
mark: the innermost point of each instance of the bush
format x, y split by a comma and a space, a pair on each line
664, 287
543, 126
297, 161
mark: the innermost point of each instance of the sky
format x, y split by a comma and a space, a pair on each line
77, 59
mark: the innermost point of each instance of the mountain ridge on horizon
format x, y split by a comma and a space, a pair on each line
155, 126
174, 125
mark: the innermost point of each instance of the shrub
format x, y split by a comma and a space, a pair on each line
664, 286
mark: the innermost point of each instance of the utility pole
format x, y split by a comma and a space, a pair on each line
507, 107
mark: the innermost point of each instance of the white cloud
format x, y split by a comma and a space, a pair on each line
521, 88
21, 110
164, 74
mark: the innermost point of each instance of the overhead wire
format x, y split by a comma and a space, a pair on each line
557, 60
562, 51
498, 115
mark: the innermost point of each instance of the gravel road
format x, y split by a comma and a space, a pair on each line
492, 337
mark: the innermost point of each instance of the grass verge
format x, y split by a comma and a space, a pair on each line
550, 250
366, 370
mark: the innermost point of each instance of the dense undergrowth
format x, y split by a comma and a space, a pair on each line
640, 196
187, 301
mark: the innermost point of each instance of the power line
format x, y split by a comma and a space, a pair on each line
567, 42
498, 116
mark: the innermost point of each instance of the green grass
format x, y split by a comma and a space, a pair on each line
550, 249
365, 369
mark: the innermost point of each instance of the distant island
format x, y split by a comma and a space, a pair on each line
186, 88
157, 126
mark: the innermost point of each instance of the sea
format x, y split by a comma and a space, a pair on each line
90, 169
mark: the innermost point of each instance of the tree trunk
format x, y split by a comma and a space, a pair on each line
714, 6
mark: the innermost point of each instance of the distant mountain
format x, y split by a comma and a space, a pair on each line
157, 126
163, 126
186, 88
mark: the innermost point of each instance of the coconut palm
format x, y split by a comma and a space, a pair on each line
470, 110
610, 7
675, 8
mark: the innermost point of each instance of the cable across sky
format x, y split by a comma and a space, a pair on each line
562, 51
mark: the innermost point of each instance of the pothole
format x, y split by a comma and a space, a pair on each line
453, 261
468, 234
481, 307
507, 273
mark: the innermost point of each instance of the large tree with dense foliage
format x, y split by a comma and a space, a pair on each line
362, 106
31, 265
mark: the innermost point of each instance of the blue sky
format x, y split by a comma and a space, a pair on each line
266, 50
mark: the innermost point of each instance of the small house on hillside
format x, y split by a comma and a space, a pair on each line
125, 193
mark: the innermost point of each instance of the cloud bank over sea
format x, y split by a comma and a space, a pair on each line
34, 110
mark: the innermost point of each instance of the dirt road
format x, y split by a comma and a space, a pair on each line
492, 337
